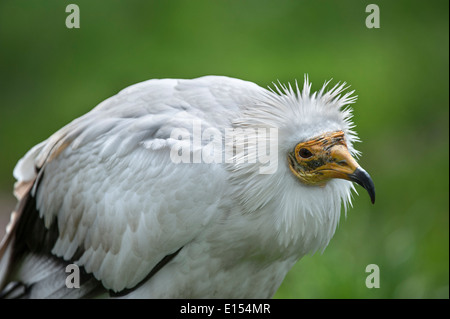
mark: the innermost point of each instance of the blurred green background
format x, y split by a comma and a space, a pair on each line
50, 74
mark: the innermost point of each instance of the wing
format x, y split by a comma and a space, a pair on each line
105, 190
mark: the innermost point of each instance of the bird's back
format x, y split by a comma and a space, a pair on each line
103, 192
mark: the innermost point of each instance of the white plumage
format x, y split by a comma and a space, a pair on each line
104, 193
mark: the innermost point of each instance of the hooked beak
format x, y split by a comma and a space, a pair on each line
361, 177
344, 166
351, 170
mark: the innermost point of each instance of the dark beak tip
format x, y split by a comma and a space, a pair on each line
361, 177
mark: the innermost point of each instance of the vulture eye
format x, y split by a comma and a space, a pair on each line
304, 153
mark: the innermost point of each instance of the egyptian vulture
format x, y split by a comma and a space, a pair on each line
211, 187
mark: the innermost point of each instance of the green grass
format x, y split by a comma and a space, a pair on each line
49, 75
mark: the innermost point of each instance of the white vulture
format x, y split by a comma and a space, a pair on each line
211, 187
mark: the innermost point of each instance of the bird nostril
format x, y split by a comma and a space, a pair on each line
342, 163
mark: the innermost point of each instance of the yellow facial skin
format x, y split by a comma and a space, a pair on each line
320, 159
